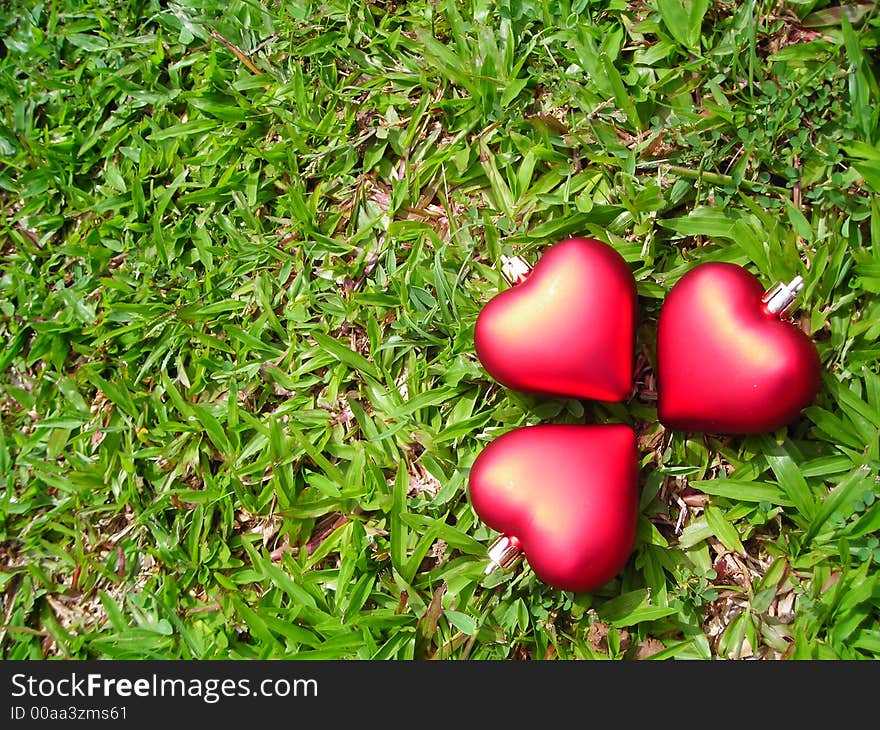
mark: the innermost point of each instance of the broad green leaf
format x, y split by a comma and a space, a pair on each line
847, 490
464, 623
723, 530
736, 489
790, 479
346, 355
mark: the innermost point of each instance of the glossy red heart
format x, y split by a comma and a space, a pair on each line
566, 495
567, 330
725, 364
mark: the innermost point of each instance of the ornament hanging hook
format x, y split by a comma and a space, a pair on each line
780, 299
515, 269
503, 553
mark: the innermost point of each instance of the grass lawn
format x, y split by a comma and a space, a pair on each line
243, 248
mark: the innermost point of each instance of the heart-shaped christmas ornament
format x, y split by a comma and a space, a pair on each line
726, 361
567, 328
565, 496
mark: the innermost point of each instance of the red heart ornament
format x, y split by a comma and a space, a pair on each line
565, 495
725, 362
567, 330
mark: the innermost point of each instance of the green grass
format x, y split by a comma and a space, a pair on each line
243, 250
